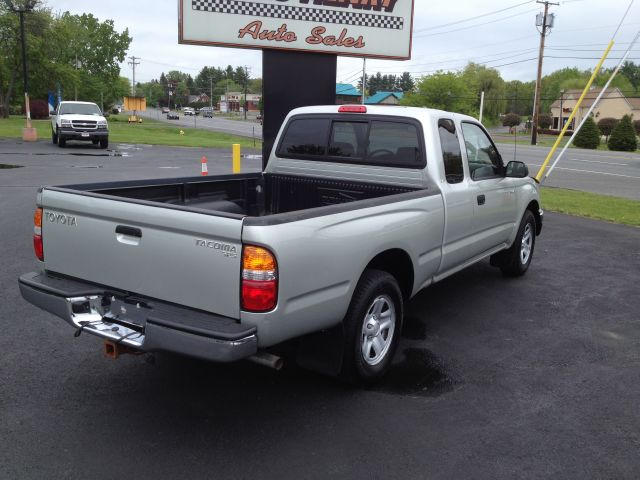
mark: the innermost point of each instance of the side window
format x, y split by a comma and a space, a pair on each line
394, 143
306, 137
451, 153
348, 139
482, 156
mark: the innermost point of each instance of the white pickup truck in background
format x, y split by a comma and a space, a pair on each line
358, 209
79, 121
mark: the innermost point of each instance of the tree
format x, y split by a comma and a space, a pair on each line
632, 72
511, 120
444, 91
544, 121
623, 138
588, 136
487, 80
636, 126
606, 126
405, 83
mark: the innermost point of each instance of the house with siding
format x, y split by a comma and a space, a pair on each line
614, 104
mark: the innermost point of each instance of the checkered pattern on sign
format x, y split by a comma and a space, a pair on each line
287, 12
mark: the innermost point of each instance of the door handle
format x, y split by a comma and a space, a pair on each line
481, 199
129, 231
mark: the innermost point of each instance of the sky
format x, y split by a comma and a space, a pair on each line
501, 34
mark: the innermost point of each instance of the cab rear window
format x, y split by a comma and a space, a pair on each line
383, 141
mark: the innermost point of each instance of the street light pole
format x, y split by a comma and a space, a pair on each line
29, 134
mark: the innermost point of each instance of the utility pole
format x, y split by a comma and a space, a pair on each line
364, 79
546, 21
134, 64
76, 83
211, 94
481, 106
246, 84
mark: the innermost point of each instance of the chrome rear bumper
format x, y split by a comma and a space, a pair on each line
139, 323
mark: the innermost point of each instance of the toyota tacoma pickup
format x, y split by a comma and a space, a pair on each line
79, 121
358, 209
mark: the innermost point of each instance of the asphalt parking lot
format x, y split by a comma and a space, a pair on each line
537, 377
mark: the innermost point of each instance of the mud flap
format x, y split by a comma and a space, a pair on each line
322, 352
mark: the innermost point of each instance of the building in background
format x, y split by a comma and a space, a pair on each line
347, 94
385, 98
234, 102
614, 104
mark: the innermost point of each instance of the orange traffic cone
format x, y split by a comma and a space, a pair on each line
205, 168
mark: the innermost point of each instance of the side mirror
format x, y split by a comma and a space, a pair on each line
52, 113
516, 170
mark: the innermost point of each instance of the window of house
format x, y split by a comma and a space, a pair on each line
482, 156
451, 152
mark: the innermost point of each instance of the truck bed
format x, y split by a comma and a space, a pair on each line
253, 195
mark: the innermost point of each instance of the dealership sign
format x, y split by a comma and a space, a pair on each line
361, 28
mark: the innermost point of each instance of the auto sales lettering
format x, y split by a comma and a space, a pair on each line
317, 36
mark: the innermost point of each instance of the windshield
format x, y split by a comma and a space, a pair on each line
79, 109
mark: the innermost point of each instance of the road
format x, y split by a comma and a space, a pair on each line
250, 128
537, 377
608, 173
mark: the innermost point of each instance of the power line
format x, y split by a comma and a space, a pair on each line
474, 17
475, 25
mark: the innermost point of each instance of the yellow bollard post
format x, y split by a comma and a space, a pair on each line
236, 158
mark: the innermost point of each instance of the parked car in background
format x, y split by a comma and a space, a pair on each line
188, 112
207, 112
79, 121
173, 116
165, 110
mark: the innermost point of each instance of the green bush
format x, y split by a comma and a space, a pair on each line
606, 126
636, 125
623, 138
544, 121
511, 120
588, 136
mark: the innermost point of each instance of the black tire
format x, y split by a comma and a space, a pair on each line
513, 262
95, 142
104, 143
62, 142
374, 288
54, 137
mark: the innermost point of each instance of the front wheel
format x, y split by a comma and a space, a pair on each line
372, 327
54, 137
104, 143
516, 261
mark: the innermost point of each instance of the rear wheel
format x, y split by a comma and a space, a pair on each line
515, 261
372, 327
104, 143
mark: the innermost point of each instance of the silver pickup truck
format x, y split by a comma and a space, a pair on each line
358, 209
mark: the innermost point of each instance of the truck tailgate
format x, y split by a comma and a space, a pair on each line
183, 257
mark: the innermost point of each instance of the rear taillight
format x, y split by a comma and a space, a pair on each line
259, 279
37, 234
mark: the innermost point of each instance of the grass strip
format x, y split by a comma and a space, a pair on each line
151, 132
591, 205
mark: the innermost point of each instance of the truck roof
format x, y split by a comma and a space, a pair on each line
82, 103
387, 110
